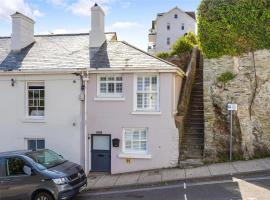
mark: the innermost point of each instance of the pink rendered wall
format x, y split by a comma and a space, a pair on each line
111, 117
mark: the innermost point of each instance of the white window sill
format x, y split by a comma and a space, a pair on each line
34, 120
109, 99
146, 113
131, 155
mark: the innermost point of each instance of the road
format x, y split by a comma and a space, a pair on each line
248, 187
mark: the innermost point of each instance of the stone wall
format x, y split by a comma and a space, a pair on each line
250, 89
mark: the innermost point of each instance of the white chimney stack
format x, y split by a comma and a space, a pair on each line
97, 35
22, 31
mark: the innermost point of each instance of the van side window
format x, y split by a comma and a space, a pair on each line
14, 166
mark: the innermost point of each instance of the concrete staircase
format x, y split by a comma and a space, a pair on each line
192, 143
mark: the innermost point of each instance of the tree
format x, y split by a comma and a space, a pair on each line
181, 46
233, 27
163, 55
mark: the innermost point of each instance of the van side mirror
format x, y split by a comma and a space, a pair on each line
27, 170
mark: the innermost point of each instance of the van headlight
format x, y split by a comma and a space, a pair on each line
60, 181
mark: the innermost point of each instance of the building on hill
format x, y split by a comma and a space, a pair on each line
168, 27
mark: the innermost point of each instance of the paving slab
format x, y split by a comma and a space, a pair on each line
150, 177
128, 179
250, 165
173, 174
106, 181
198, 172
221, 169
91, 181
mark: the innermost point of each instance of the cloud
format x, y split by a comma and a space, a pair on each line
57, 2
125, 25
64, 31
82, 7
38, 13
126, 4
9, 7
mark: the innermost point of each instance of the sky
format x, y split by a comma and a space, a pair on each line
131, 19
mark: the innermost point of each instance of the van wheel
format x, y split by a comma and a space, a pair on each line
43, 196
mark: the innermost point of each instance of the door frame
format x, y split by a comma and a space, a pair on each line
91, 149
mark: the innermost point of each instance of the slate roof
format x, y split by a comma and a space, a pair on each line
71, 51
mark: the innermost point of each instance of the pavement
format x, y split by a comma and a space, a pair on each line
162, 176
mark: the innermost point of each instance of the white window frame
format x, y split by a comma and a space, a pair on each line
140, 152
110, 95
37, 83
36, 139
147, 110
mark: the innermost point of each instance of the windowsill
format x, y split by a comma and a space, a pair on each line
134, 155
109, 99
34, 120
146, 113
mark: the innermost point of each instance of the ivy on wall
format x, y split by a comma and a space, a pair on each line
233, 27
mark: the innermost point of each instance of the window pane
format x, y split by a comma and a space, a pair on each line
119, 88
154, 101
140, 84
14, 166
111, 87
111, 78
146, 83
154, 83
119, 78
103, 88
40, 144
30, 94
42, 95
36, 93
103, 78
136, 135
101, 142
128, 145
143, 146
139, 101
32, 145
146, 101
136, 146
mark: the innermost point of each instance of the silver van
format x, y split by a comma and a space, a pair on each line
39, 175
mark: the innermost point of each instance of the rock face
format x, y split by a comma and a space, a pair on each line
250, 89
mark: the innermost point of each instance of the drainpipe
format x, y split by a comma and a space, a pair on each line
86, 155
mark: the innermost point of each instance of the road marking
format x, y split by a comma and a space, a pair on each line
185, 196
173, 186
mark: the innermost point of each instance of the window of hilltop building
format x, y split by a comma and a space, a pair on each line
175, 16
168, 41
35, 100
147, 93
183, 27
168, 26
110, 86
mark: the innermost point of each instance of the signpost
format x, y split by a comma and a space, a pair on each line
231, 107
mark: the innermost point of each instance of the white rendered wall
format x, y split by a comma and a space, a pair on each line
175, 31
61, 127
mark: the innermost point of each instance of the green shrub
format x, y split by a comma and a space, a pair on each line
163, 55
192, 38
181, 46
233, 27
226, 77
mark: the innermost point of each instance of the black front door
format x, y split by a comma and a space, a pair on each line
101, 153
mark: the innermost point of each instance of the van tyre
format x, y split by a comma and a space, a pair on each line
43, 196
